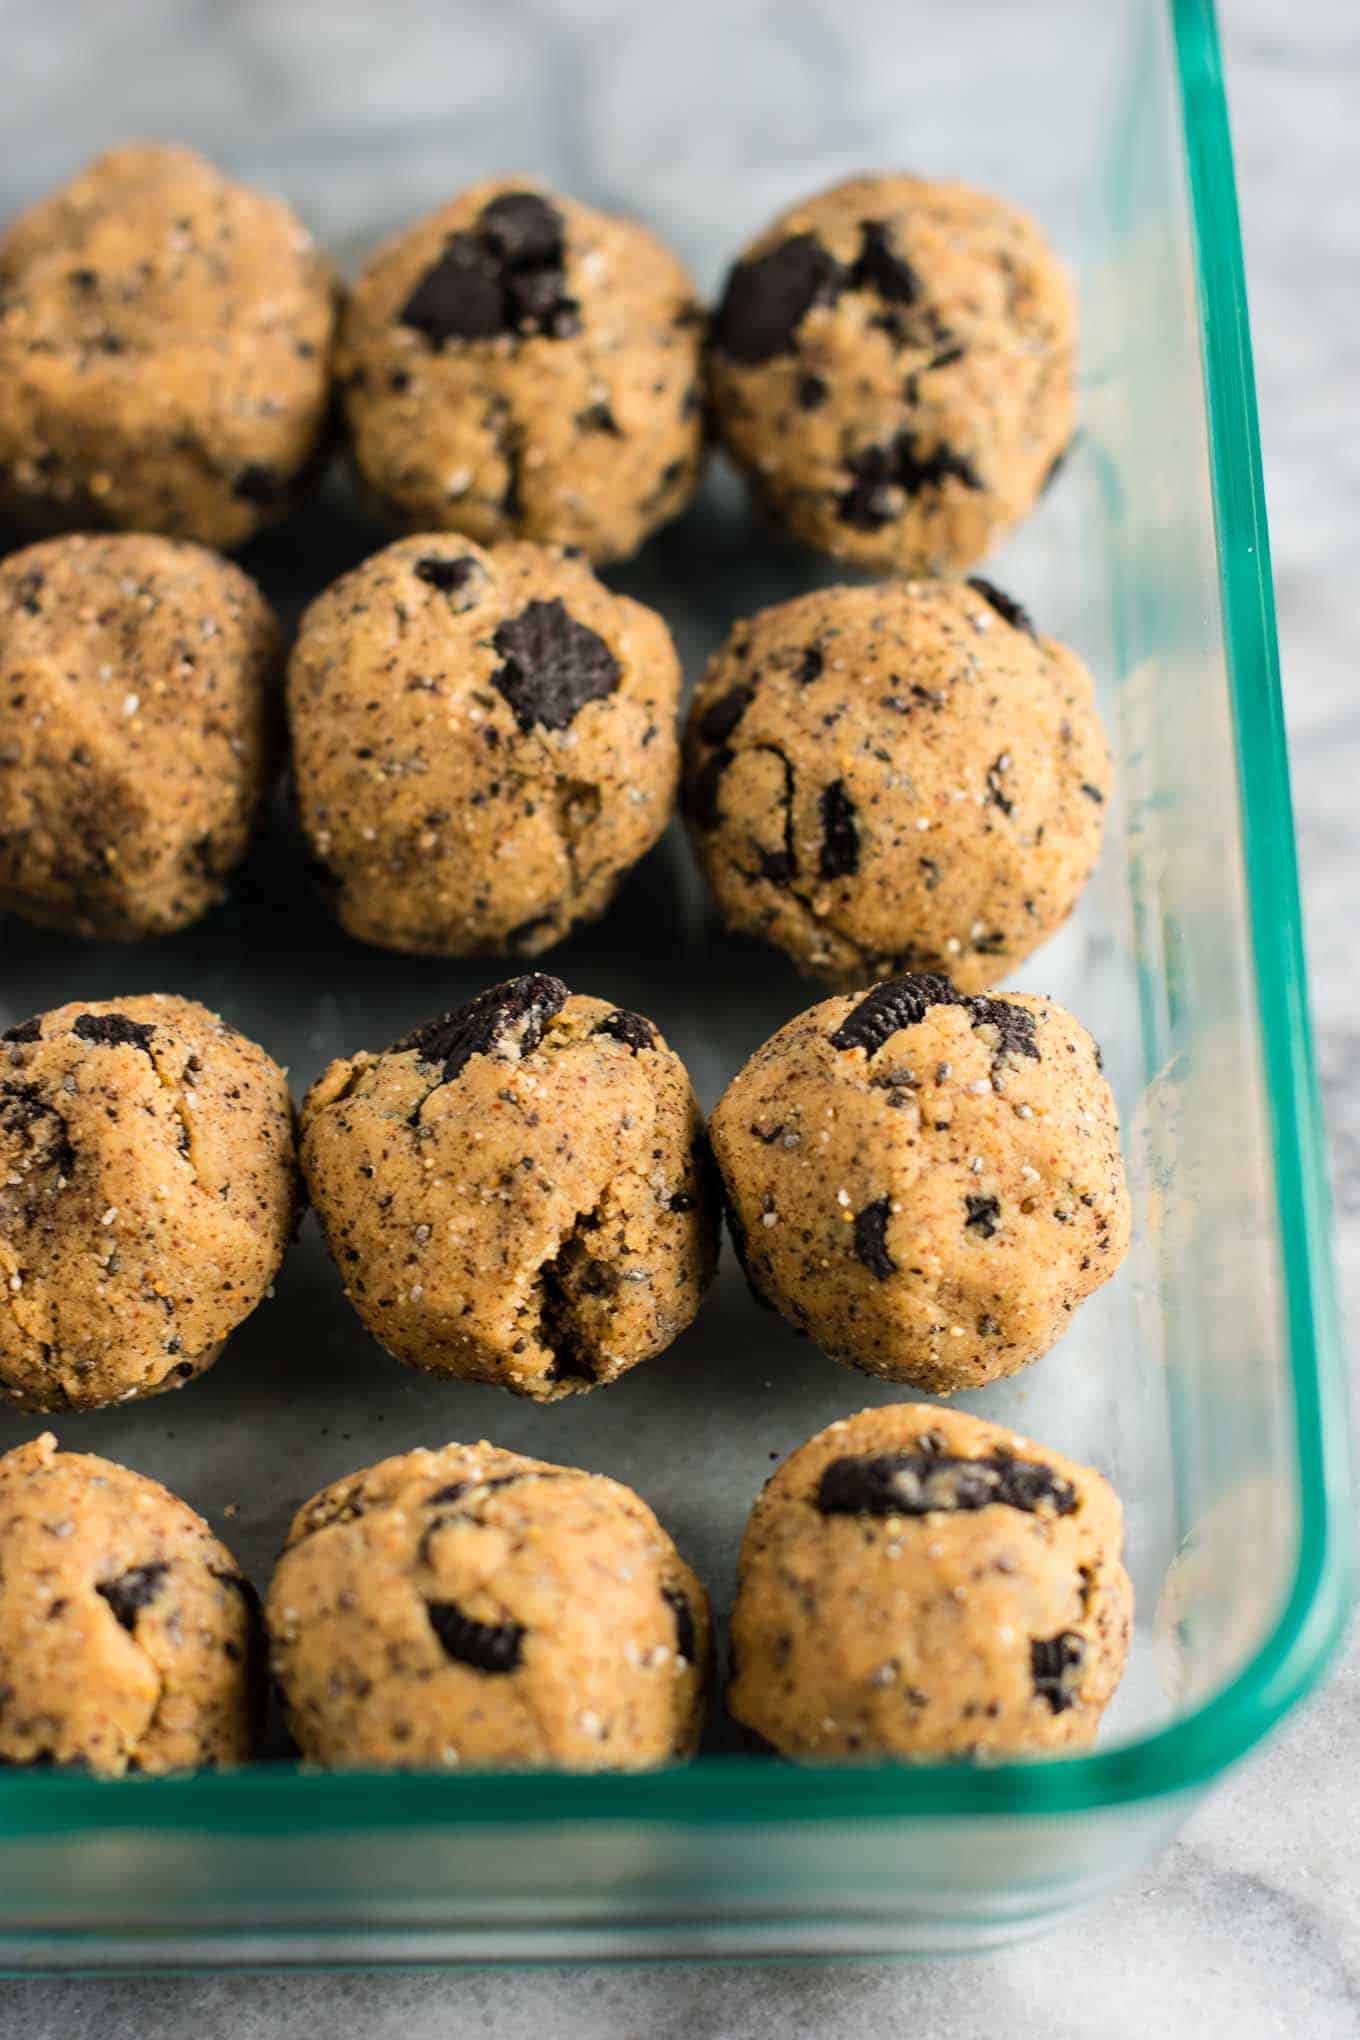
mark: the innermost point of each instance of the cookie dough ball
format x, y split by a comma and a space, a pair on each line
129, 1640
926, 1184
165, 340
147, 1194
915, 1583
892, 362
896, 778
483, 743
137, 720
545, 1220
520, 366
470, 1606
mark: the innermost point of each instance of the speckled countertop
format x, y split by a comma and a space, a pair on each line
1250, 1925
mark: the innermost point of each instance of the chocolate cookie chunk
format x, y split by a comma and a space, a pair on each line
521, 366
545, 1221
474, 1607
165, 348
928, 1185
483, 743
915, 1583
892, 362
896, 778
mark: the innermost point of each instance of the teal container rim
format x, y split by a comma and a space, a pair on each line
276, 1800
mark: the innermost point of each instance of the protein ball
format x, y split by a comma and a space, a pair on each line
148, 1190
517, 365
470, 1606
516, 1192
129, 1639
926, 1184
915, 1583
893, 362
137, 731
483, 743
904, 777
165, 341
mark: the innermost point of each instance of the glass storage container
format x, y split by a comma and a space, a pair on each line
1206, 1380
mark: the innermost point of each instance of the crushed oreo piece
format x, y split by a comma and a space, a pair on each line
871, 1244
984, 1214
553, 666
701, 793
24, 1030
882, 475
629, 1028
486, 1646
1011, 612
27, 590
509, 1019
721, 717
686, 1641
922, 1482
1014, 1025
840, 833
132, 1591
767, 298
24, 1110
1093, 793
599, 418
812, 392
1055, 1667
810, 666
506, 277
879, 269
900, 1002
113, 1030
451, 577
905, 1001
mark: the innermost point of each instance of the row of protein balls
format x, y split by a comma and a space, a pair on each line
521, 1191
912, 1583
483, 741
891, 361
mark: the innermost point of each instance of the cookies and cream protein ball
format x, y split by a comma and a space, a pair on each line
129, 1639
517, 365
902, 777
483, 744
925, 1183
148, 1190
165, 341
892, 363
138, 710
915, 1583
515, 1192
473, 1607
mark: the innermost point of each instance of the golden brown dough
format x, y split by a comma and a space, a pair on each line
148, 1190
892, 362
471, 1606
904, 777
165, 342
137, 731
916, 1583
515, 1192
483, 743
517, 365
129, 1639
926, 1184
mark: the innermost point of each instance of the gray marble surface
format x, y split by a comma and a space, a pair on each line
1250, 1925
